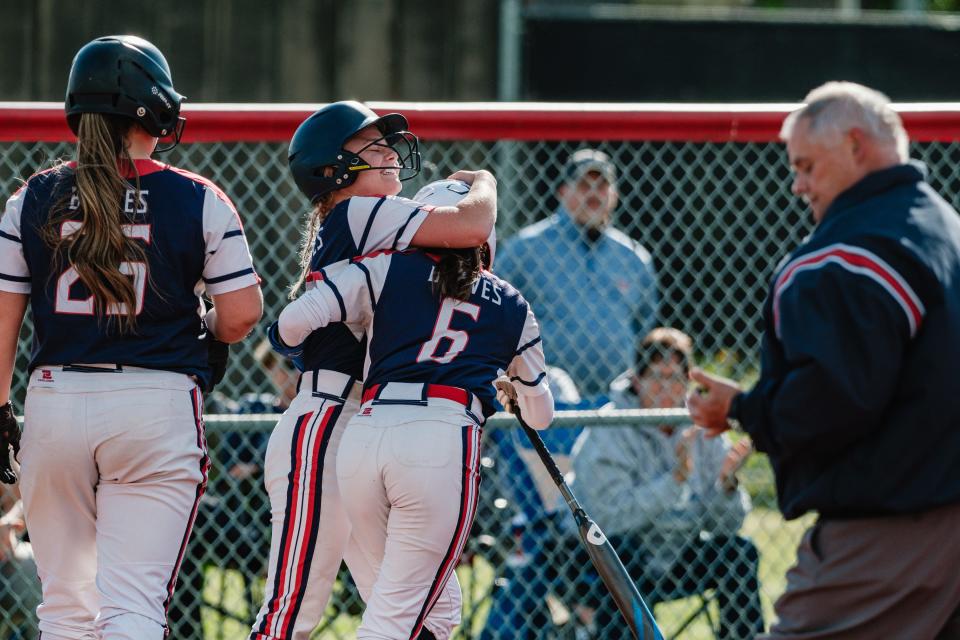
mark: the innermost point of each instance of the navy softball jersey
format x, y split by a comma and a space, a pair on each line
193, 241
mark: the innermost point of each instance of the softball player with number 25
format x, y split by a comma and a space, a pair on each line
112, 251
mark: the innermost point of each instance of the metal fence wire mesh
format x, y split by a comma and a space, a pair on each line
715, 217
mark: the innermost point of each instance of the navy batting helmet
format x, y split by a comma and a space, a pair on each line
125, 76
318, 144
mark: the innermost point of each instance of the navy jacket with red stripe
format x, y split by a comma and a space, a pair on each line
857, 404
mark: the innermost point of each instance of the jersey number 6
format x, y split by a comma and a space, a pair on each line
458, 339
136, 270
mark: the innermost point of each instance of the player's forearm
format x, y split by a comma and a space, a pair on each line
14, 306
301, 317
537, 410
468, 224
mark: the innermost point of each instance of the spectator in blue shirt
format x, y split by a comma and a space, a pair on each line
592, 286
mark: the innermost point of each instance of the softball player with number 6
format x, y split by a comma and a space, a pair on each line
440, 331
112, 251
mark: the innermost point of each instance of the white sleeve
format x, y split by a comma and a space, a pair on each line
387, 222
228, 265
528, 373
346, 291
528, 369
14, 272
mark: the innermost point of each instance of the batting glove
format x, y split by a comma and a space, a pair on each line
506, 393
281, 347
9, 437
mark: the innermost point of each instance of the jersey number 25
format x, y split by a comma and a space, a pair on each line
441, 330
136, 270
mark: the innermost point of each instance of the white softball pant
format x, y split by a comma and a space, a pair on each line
409, 476
310, 529
112, 467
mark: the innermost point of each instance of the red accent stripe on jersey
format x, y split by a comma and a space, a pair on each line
469, 494
313, 276
143, 166
374, 254
210, 185
196, 399
859, 261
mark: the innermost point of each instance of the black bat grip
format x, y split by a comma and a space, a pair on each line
548, 461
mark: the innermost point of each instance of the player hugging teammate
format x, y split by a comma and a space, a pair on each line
440, 329
349, 162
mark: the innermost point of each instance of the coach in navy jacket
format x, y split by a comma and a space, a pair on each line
858, 402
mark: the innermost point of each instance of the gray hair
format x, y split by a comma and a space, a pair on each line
834, 108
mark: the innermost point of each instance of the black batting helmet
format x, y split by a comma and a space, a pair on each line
125, 76
318, 144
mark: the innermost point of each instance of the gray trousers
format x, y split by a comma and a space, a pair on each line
895, 577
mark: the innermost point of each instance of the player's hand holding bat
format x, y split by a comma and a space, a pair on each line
9, 438
506, 394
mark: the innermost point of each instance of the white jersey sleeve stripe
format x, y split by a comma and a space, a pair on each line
530, 383
384, 223
229, 276
229, 265
336, 292
362, 245
529, 367
373, 297
397, 238
348, 291
528, 345
14, 271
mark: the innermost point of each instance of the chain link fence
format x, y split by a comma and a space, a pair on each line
715, 218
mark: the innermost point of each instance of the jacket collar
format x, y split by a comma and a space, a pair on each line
875, 183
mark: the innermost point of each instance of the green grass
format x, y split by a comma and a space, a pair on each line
776, 540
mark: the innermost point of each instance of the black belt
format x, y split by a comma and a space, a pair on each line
85, 368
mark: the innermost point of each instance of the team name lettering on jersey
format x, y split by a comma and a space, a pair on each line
128, 201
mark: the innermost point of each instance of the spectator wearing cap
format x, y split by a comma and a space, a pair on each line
668, 497
593, 287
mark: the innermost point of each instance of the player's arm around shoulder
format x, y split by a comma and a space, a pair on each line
466, 224
345, 291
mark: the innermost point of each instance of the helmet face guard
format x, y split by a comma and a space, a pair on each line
173, 139
403, 143
320, 164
